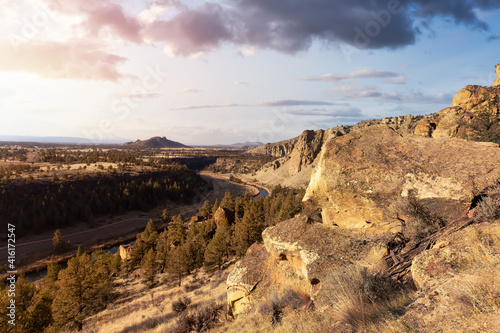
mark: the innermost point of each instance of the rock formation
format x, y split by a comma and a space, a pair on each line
497, 80
294, 257
278, 149
306, 149
361, 175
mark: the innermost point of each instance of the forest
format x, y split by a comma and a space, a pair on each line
47, 205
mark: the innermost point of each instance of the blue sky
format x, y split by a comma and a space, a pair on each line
234, 71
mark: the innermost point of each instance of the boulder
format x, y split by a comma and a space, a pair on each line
293, 257
361, 175
246, 274
223, 214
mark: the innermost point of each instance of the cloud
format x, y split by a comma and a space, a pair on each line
273, 103
80, 59
101, 16
390, 77
241, 83
268, 24
348, 112
292, 28
192, 31
291, 102
493, 38
191, 90
139, 96
361, 92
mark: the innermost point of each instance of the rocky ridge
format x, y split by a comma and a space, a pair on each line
374, 182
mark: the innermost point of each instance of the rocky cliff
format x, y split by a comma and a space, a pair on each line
278, 149
408, 177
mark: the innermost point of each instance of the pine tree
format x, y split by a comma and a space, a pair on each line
176, 232
227, 202
150, 267
84, 289
205, 211
58, 244
219, 248
177, 263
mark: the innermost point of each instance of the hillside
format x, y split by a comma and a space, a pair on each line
154, 142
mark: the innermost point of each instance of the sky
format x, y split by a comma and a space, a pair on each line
230, 71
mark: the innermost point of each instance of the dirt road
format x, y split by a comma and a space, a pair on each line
36, 249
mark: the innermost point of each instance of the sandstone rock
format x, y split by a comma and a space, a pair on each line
425, 128
476, 99
448, 123
246, 274
306, 149
294, 257
497, 80
360, 175
125, 251
278, 149
223, 214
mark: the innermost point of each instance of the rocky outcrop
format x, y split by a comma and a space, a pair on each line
125, 251
497, 80
362, 175
460, 272
244, 277
463, 118
278, 149
293, 257
306, 149
223, 215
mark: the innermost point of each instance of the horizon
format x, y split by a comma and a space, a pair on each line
229, 72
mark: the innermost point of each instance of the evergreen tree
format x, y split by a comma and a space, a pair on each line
176, 231
227, 202
150, 267
58, 244
219, 248
205, 211
84, 289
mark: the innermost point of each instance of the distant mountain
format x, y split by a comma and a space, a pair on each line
155, 142
247, 144
58, 139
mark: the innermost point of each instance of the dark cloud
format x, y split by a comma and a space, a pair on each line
292, 26
493, 38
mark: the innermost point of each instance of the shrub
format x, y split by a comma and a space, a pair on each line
488, 209
181, 304
275, 306
200, 319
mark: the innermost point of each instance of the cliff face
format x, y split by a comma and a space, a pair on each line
371, 181
361, 176
278, 149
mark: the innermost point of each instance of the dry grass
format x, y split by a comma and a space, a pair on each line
139, 309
